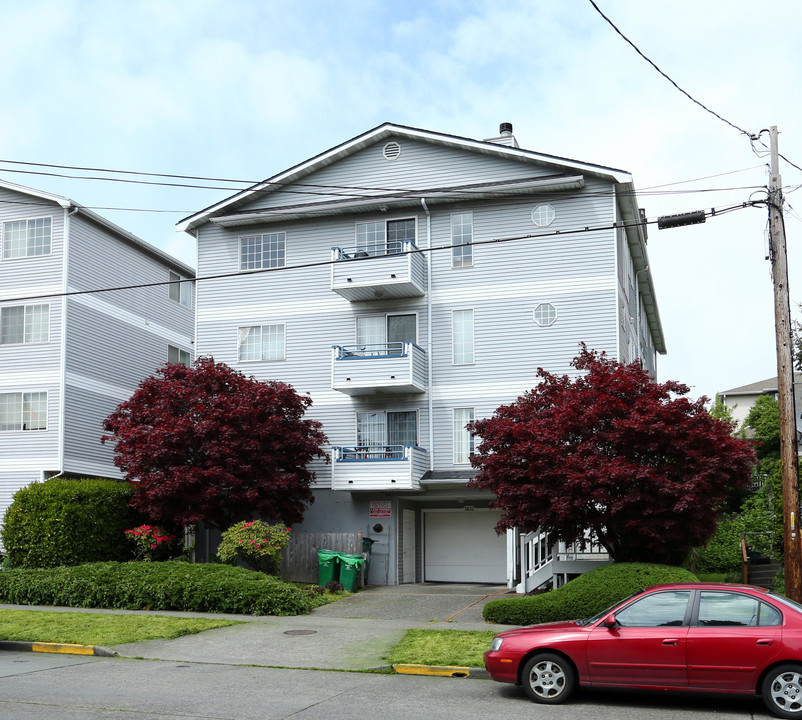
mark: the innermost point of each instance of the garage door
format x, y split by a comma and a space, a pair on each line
462, 546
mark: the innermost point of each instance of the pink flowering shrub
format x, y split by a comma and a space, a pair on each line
256, 544
151, 543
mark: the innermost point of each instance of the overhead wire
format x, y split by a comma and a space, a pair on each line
713, 212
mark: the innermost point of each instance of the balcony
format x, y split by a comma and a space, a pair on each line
383, 270
374, 467
398, 367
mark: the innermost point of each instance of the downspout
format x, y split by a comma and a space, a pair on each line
65, 263
638, 314
429, 329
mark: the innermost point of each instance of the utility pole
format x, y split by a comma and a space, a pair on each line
785, 381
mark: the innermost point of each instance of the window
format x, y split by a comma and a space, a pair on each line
389, 430
543, 215
23, 411
721, 609
24, 324
177, 355
665, 609
384, 237
26, 238
462, 337
545, 314
258, 252
180, 292
380, 334
463, 438
261, 342
461, 239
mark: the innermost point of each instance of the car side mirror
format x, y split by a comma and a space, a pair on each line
610, 621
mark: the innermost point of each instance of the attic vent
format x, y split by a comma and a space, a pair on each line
391, 151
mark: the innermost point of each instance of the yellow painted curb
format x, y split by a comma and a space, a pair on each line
439, 670
63, 648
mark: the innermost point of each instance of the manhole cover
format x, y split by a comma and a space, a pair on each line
300, 632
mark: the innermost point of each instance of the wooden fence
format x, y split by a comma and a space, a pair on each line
299, 562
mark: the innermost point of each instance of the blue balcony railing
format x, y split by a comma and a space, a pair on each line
374, 249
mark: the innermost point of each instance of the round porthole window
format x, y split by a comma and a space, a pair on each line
543, 215
545, 314
391, 151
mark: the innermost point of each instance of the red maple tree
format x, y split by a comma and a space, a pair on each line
206, 443
612, 452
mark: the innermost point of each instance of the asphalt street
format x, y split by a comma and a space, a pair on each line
35, 687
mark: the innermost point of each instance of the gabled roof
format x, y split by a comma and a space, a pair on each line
116, 230
377, 134
568, 174
761, 387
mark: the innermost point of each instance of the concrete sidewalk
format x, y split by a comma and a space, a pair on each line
352, 634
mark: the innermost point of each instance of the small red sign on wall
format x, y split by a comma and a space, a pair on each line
380, 509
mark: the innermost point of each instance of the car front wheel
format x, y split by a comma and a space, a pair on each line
782, 691
549, 678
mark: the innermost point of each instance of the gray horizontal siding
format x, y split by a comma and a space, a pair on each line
576, 272
83, 451
420, 165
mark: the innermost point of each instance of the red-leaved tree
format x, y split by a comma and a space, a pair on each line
206, 443
612, 452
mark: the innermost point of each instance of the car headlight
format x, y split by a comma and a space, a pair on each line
495, 646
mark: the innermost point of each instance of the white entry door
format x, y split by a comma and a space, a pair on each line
462, 546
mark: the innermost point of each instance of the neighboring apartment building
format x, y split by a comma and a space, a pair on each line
67, 360
382, 278
741, 399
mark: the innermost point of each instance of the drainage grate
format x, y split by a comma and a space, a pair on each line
300, 632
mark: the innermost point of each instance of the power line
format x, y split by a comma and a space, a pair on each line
713, 212
685, 93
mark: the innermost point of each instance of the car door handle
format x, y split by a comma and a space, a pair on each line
765, 641
670, 641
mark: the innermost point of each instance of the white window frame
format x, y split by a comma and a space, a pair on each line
386, 426
460, 356
462, 439
268, 257
245, 330
180, 289
370, 245
184, 357
6, 401
28, 310
550, 319
458, 252
543, 215
30, 240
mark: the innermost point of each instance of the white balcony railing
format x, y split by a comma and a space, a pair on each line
387, 367
378, 467
544, 561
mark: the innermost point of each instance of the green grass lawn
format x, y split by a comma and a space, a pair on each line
461, 648
98, 628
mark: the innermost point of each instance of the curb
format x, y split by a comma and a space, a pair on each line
441, 671
60, 648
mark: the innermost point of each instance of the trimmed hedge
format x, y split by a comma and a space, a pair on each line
68, 522
173, 585
587, 595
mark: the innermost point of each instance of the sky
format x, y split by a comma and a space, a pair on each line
243, 89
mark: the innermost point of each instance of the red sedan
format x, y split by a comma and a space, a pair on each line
695, 636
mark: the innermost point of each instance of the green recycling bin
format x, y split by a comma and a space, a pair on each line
349, 571
328, 566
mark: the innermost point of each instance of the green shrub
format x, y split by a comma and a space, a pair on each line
255, 543
585, 596
68, 522
172, 585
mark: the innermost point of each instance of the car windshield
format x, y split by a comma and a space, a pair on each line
607, 611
